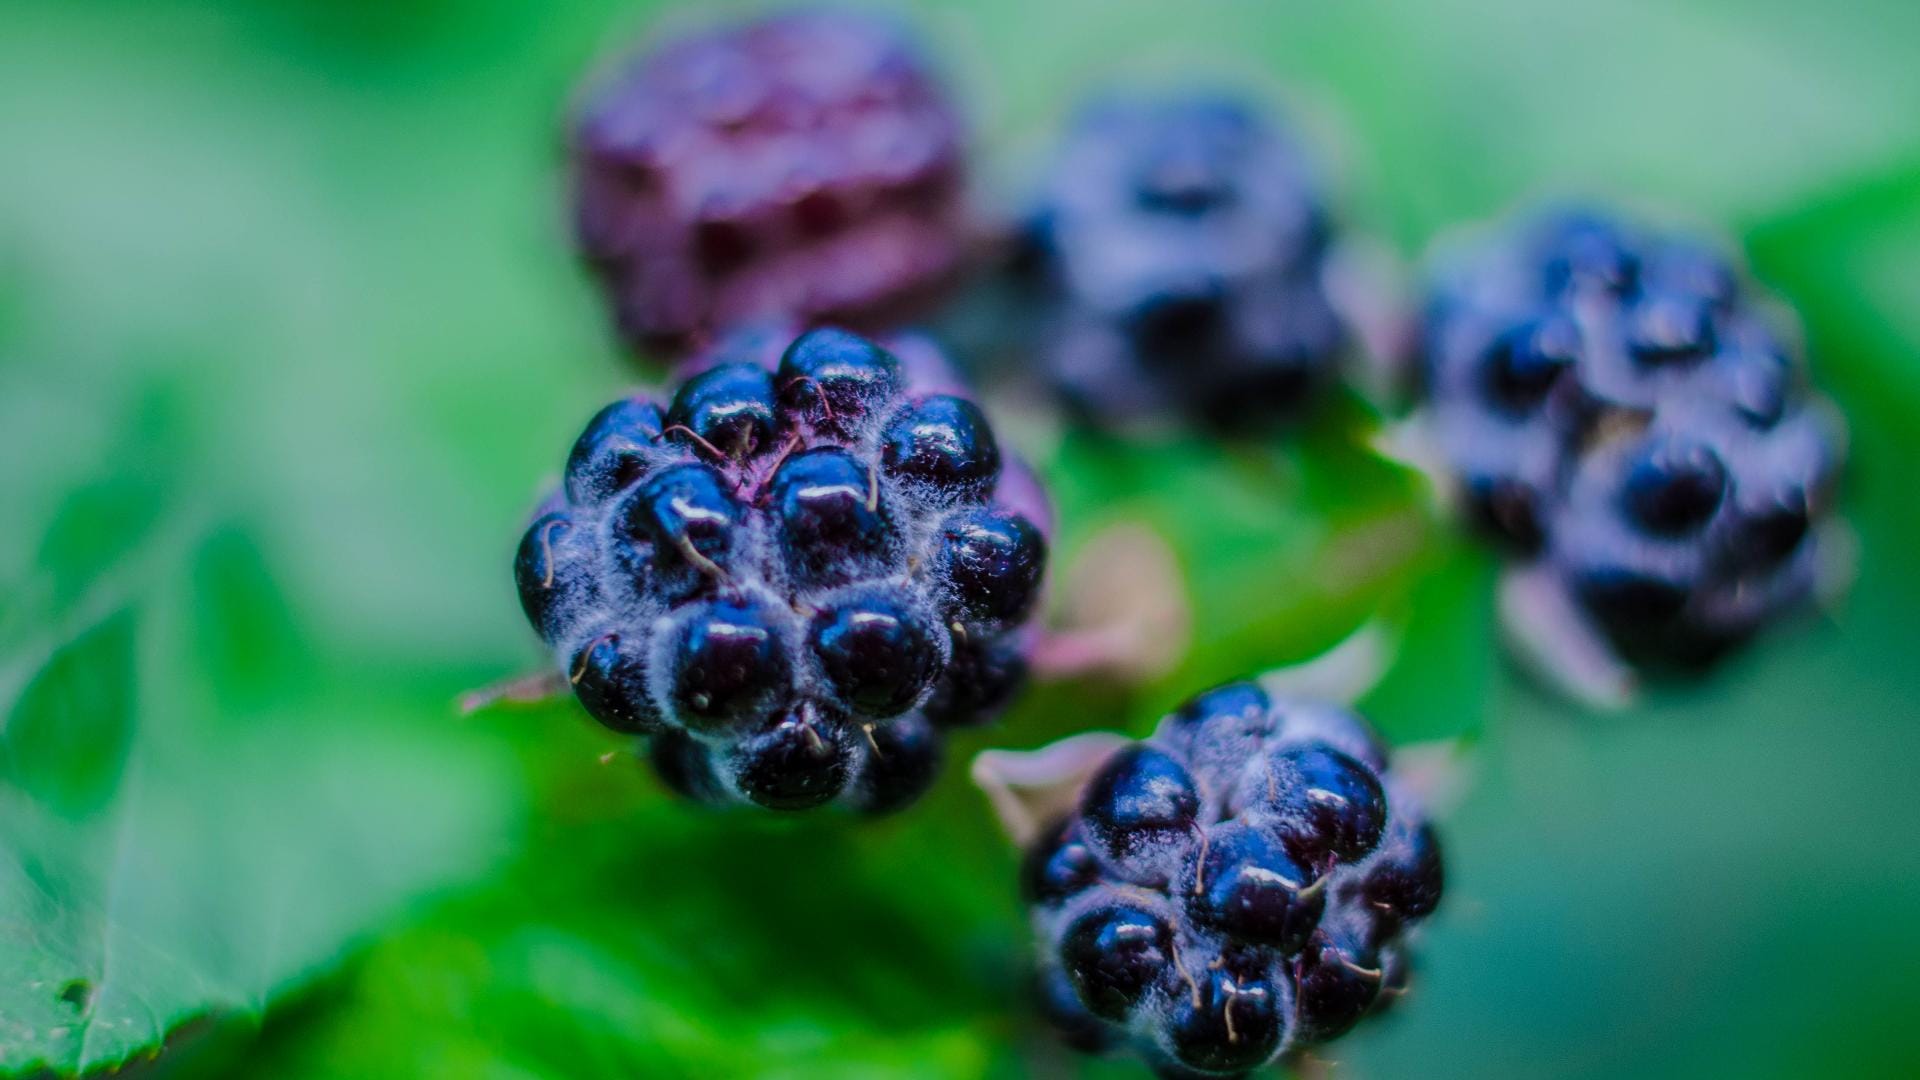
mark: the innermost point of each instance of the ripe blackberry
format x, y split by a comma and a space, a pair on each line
1234, 889
1682, 539
1178, 248
1619, 405
805, 165
792, 576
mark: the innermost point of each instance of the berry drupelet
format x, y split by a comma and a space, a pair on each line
1178, 249
1234, 889
804, 165
1620, 408
792, 576
1682, 539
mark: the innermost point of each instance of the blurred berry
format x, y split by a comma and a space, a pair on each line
1177, 251
804, 165
1623, 406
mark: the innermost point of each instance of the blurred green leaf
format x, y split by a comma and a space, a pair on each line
67, 736
245, 636
1286, 544
158, 865
1445, 667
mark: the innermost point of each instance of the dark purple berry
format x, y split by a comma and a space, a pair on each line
943, 442
689, 514
1324, 805
983, 674
1179, 321
609, 676
1233, 1021
1506, 508
1241, 882
615, 451
903, 757
1523, 366
1058, 866
832, 518
804, 166
1694, 270
1189, 168
1114, 954
1225, 711
1671, 329
1758, 387
1221, 729
1771, 528
729, 666
802, 761
728, 408
1628, 599
1175, 260
1335, 983
1589, 253
993, 560
836, 379
553, 572
1673, 488
878, 653
1139, 805
1405, 883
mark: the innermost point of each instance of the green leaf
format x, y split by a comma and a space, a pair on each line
159, 864
245, 636
652, 938
67, 735
1287, 544
1446, 662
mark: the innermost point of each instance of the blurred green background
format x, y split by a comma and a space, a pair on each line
290, 338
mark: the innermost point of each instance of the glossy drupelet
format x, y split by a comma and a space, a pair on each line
1623, 406
1234, 889
1177, 255
791, 575
805, 165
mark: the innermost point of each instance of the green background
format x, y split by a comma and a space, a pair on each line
290, 338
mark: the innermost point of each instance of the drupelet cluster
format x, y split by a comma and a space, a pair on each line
793, 576
1235, 889
804, 165
1622, 406
1177, 255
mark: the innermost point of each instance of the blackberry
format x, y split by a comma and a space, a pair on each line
1232, 890
804, 165
1618, 407
757, 578
1177, 250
